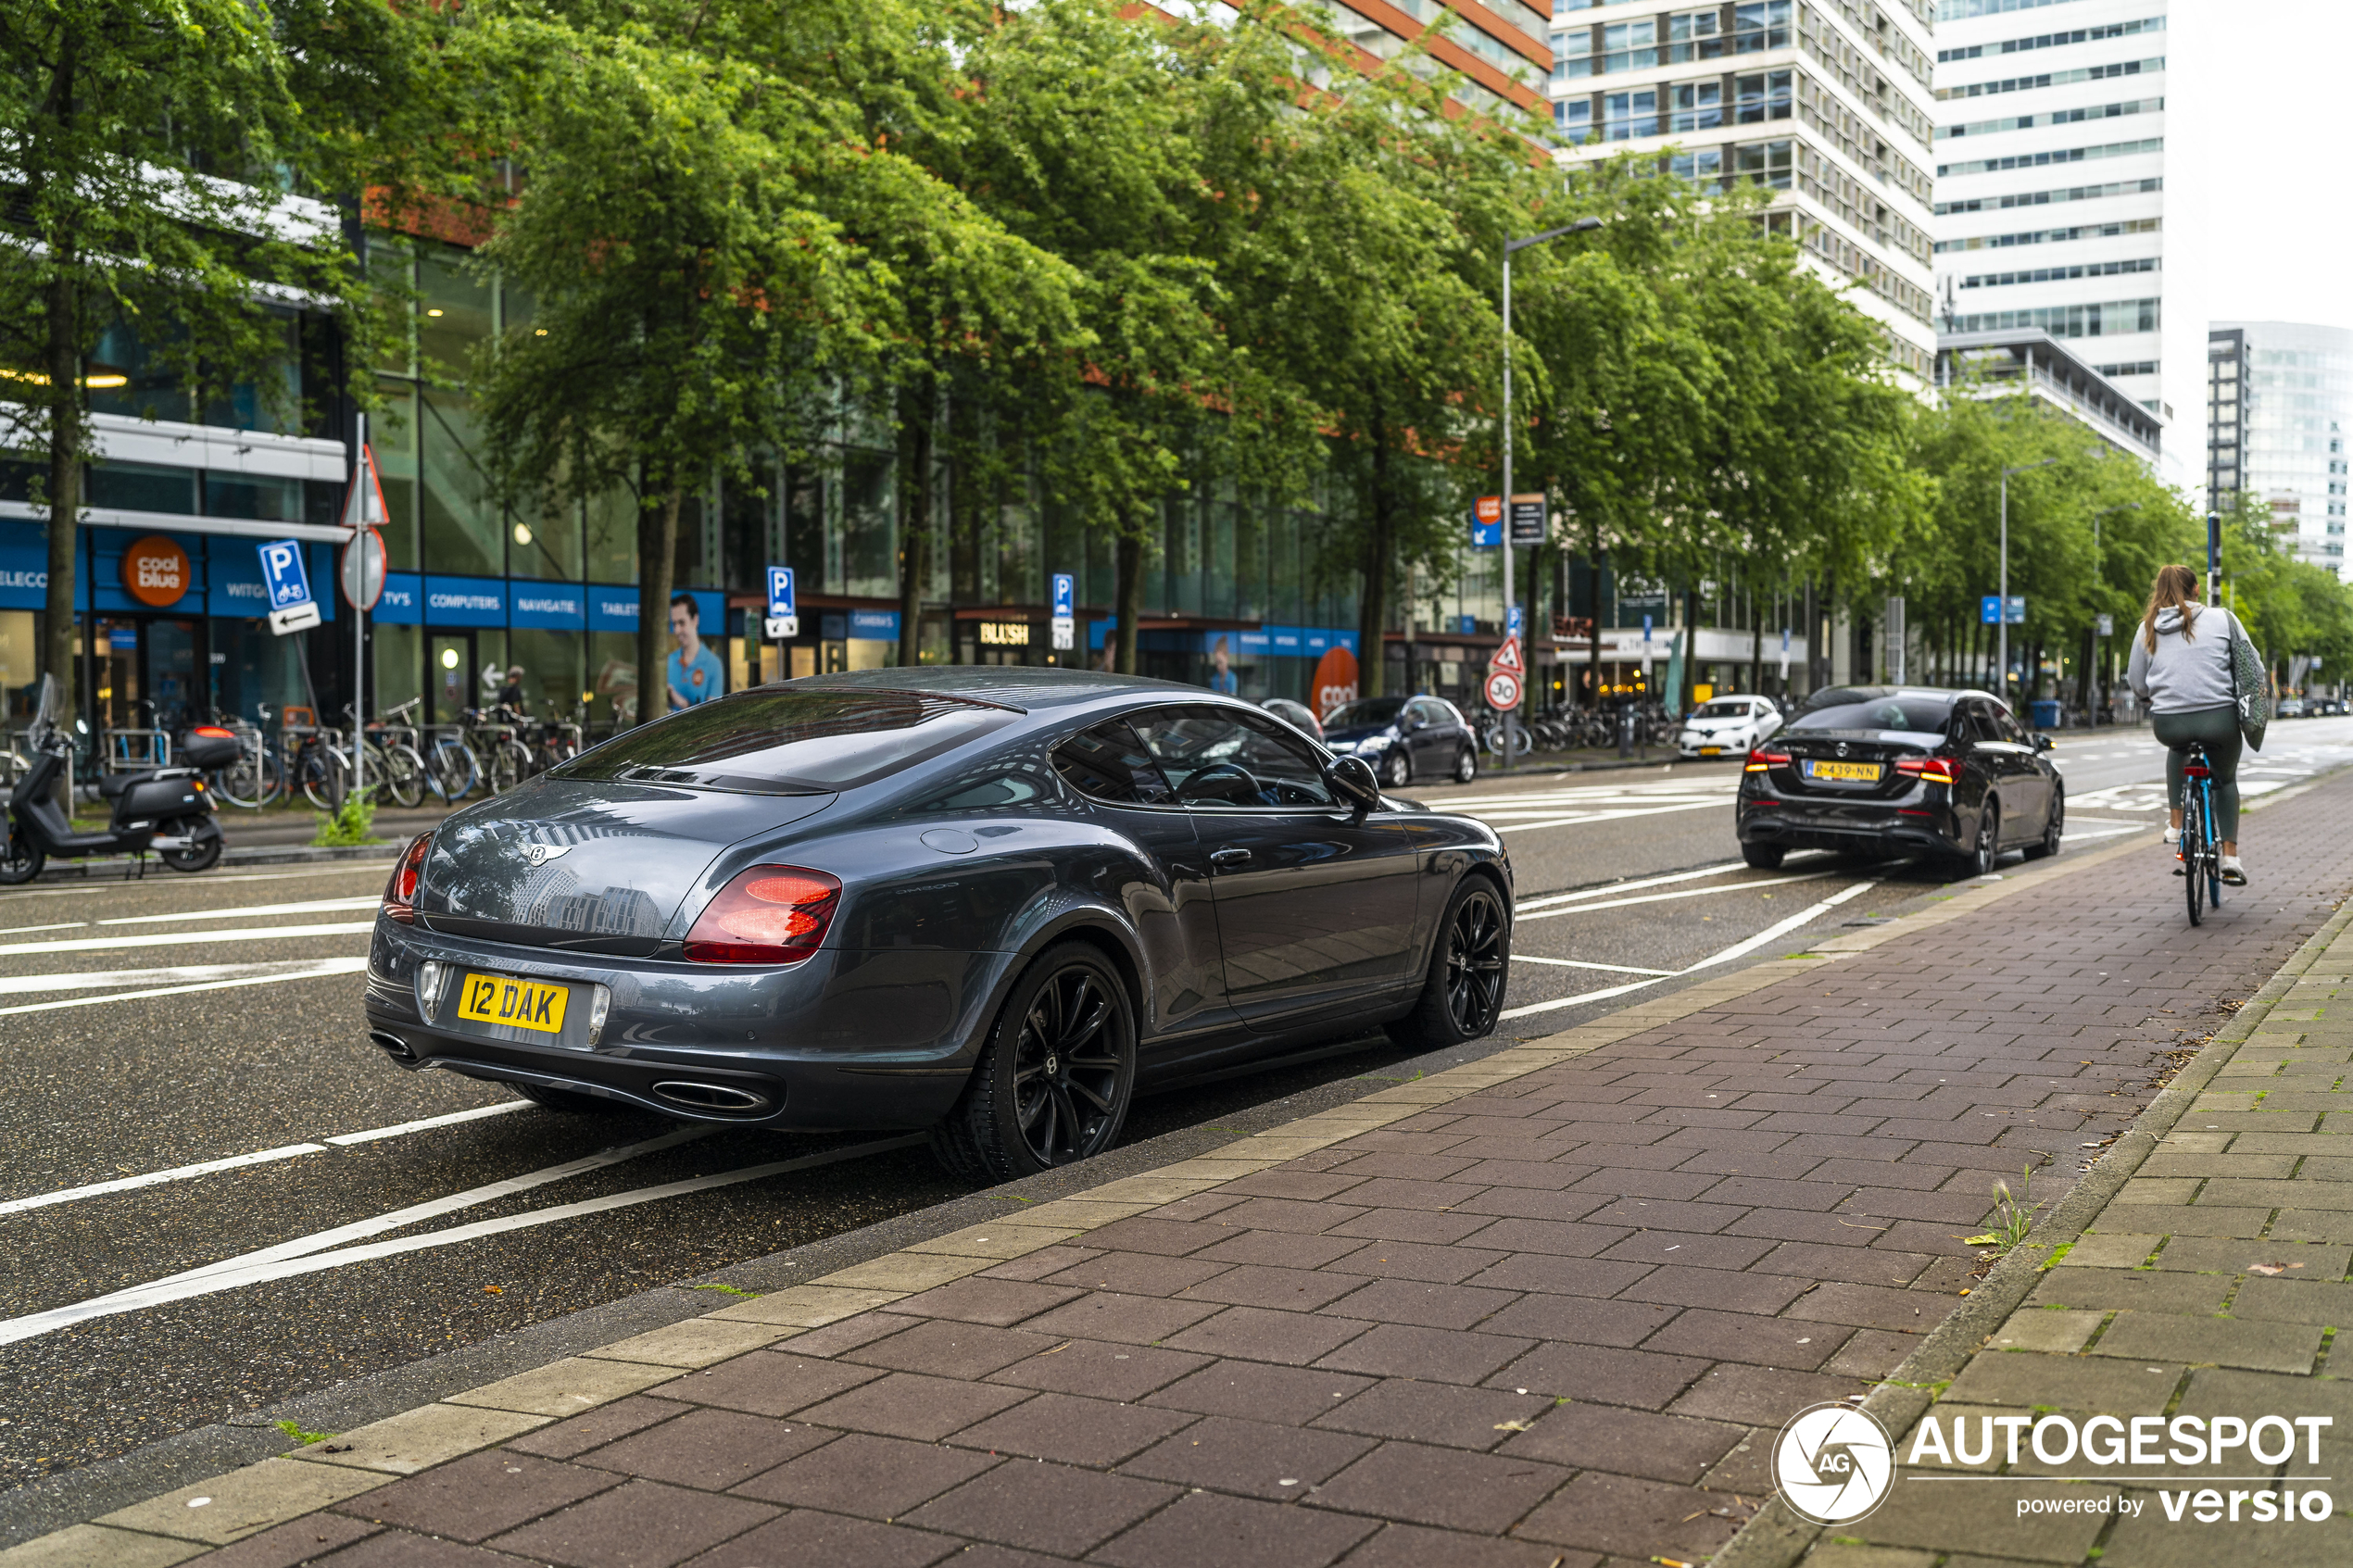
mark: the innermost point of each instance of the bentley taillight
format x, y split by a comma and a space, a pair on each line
1929, 769
400, 892
767, 915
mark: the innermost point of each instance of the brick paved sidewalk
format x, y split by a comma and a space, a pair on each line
1545, 1308
2211, 1285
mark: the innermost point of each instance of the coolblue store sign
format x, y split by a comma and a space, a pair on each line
225, 573
412, 599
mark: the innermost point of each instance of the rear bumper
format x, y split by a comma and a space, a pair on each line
1851, 828
808, 1049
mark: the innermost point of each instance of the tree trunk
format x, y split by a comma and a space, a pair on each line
64, 369
1127, 570
1691, 650
915, 518
657, 557
1372, 603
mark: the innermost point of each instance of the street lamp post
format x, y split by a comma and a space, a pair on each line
1510, 246
2002, 602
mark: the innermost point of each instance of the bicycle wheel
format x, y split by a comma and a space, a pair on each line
2193, 855
2213, 854
326, 777
404, 777
510, 764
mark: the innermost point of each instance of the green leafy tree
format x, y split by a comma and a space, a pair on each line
164, 171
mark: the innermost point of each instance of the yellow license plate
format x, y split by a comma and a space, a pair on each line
519, 1004
1855, 772
1711, 751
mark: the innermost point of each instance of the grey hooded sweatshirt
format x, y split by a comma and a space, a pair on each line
2185, 674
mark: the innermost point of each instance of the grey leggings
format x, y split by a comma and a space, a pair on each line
2219, 728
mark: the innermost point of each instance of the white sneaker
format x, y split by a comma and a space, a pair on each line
2172, 838
2233, 874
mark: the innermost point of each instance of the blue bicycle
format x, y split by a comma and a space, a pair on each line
2201, 869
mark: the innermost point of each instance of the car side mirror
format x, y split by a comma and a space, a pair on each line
2043, 743
1351, 778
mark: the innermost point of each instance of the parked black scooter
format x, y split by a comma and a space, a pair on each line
167, 810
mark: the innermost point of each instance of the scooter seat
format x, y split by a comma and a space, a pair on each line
110, 785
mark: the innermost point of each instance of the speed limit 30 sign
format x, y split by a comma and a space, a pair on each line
1502, 691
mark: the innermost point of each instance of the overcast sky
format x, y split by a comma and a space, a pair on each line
2257, 96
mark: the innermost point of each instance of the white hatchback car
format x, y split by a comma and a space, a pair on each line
1729, 726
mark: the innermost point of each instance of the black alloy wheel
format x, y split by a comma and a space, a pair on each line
1987, 850
1465, 765
1054, 1083
1463, 995
2054, 825
1397, 769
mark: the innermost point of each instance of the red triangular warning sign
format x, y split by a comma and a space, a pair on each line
1507, 660
364, 505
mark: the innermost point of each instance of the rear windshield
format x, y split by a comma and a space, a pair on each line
789, 742
1925, 712
1722, 710
1372, 711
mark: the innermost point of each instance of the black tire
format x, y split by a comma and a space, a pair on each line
1469, 965
572, 1103
1054, 1082
1985, 852
2054, 826
1764, 857
1396, 769
21, 861
2192, 856
201, 856
1465, 765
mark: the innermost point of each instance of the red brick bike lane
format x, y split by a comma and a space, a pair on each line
1555, 1320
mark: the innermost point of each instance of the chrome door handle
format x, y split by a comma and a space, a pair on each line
1229, 858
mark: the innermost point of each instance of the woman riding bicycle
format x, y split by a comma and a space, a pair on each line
2181, 667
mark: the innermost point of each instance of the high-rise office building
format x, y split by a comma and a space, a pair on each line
2228, 395
1827, 103
2292, 417
2050, 179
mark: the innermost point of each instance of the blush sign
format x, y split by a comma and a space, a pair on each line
156, 571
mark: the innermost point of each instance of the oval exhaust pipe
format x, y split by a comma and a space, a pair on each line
711, 1097
391, 1045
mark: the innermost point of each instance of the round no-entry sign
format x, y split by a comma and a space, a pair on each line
1502, 691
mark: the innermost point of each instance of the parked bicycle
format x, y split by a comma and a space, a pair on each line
389, 759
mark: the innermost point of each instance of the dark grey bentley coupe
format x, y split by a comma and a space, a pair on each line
985, 901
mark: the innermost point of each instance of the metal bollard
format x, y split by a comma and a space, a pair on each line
1626, 731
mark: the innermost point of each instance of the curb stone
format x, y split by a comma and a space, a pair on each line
1776, 1536
800, 1298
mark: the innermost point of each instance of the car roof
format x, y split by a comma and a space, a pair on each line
1022, 687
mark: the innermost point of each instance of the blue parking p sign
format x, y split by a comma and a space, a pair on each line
1065, 596
290, 607
783, 612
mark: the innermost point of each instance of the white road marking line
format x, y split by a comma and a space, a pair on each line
1683, 893
156, 1178
60, 925
87, 979
378, 869
2074, 832
432, 1208
402, 1129
1610, 815
259, 1157
183, 938
1580, 963
1738, 949
1742, 949
1604, 889
230, 1277
309, 907
325, 967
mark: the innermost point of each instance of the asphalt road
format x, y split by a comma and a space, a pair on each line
150, 1026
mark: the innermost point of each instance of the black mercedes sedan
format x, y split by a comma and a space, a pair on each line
987, 901
1892, 770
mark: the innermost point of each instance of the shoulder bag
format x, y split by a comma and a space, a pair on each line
2250, 685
